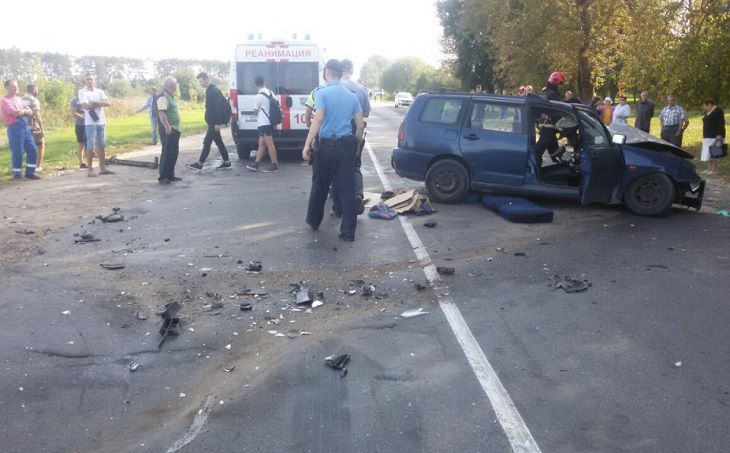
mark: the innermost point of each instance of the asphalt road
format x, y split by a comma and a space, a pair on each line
593, 371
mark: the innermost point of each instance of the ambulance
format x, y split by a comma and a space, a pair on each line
291, 70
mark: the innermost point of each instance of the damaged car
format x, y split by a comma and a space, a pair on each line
530, 146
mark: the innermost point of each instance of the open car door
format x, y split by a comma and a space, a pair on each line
602, 162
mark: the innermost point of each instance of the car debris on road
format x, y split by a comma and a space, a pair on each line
170, 322
569, 285
413, 313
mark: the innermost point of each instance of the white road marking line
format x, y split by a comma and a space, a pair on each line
200, 418
514, 427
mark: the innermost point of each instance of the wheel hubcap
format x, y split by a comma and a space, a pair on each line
447, 181
648, 193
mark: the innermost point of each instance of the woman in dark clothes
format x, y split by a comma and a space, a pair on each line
713, 132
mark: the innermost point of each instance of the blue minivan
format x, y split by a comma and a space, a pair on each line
458, 142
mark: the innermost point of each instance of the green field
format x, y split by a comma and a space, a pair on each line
122, 134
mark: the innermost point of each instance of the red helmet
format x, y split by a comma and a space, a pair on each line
556, 78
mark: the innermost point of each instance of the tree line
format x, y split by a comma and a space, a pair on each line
604, 47
409, 74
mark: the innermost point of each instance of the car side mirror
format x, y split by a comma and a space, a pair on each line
618, 139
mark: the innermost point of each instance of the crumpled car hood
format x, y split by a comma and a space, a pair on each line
640, 139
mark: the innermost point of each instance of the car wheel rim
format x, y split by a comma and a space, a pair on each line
447, 182
648, 193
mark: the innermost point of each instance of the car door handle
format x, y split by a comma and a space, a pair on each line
472, 137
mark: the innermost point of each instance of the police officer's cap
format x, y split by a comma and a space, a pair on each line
334, 66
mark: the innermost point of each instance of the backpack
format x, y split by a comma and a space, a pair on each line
225, 108
275, 114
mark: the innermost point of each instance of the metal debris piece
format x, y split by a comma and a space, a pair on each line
170, 323
112, 266
520, 254
111, 218
570, 285
413, 313
251, 292
228, 370
254, 266
86, 237
317, 303
367, 290
419, 287
214, 306
430, 224
339, 362
133, 366
25, 231
305, 296
141, 316
246, 306
443, 270
134, 163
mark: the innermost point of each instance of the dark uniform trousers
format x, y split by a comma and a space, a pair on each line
334, 163
170, 150
359, 145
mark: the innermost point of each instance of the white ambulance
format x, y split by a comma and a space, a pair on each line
291, 69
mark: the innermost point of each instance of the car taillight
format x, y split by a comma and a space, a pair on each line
401, 133
233, 96
233, 100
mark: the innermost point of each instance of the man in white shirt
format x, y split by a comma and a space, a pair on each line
93, 100
622, 112
265, 129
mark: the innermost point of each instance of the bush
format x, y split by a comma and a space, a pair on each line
118, 88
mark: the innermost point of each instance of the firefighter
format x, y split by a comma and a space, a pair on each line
550, 91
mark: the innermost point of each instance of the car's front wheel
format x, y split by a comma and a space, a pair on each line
650, 195
447, 181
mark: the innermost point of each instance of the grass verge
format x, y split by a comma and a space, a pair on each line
122, 134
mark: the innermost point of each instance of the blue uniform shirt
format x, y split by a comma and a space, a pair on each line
360, 91
340, 105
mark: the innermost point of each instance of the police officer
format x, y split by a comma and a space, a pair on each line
362, 97
335, 107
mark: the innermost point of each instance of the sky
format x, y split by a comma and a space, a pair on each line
156, 29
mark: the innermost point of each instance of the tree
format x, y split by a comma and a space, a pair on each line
468, 39
372, 70
402, 75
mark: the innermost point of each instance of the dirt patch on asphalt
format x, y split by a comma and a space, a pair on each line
32, 210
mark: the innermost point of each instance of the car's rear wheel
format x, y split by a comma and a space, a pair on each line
447, 181
650, 195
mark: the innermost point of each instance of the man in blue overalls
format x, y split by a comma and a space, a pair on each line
335, 107
15, 115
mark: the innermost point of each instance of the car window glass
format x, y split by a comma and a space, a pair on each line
247, 73
297, 78
495, 117
441, 111
593, 132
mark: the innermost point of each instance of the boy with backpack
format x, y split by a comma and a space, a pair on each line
268, 117
217, 115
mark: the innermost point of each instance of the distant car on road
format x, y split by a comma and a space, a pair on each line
403, 99
457, 142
